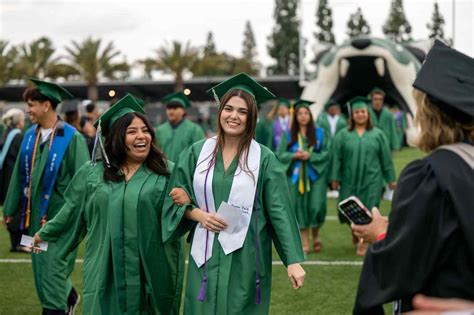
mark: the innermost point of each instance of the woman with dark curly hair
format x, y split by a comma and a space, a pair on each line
116, 204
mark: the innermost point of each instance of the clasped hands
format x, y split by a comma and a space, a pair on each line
301, 155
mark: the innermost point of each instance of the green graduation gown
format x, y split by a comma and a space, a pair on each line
231, 278
174, 140
262, 131
310, 207
51, 274
386, 123
361, 164
127, 268
323, 122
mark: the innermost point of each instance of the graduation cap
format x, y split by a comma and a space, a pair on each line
127, 104
447, 77
281, 101
51, 90
243, 82
302, 103
357, 102
178, 97
331, 102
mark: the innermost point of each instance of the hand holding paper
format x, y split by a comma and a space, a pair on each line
29, 241
231, 216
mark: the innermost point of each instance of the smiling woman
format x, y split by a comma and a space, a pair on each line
236, 202
116, 205
131, 143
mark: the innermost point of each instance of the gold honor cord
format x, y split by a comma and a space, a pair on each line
301, 181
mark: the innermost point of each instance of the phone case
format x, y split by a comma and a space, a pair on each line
353, 209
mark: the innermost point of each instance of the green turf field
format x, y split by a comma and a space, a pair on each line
328, 289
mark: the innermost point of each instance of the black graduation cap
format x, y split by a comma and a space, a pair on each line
447, 77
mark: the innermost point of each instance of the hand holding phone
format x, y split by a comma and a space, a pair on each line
353, 209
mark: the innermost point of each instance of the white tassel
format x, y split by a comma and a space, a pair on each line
216, 98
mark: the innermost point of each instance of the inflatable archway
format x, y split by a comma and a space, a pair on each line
357, 66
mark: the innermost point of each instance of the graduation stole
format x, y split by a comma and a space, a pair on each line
59, 141
7, 144
278, 131
241, 196
298, 167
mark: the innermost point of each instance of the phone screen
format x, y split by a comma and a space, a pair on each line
354, 212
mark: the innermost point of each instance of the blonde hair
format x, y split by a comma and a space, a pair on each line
437, 128
12, 117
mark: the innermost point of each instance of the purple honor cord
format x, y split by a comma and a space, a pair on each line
202, 290
258, 296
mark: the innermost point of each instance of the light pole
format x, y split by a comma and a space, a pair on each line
302, 82
454, 20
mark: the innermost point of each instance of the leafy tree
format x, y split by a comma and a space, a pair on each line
357, 25
397, 27
176, 58
210, 47
324, 23
8, 61
283, 44
37, 59
148, 64
92, 63
436, 27
249, 51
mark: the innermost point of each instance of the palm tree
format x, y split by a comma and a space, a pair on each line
92, 63
148, 64
37, 60
8, 59
176, 59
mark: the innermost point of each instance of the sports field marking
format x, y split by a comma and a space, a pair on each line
275, 263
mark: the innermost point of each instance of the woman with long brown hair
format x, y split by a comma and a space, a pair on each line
238, 203
305, 155
361, 161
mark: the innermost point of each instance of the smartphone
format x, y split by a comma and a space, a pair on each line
353, 209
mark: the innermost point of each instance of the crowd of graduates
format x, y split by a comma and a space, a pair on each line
135, 193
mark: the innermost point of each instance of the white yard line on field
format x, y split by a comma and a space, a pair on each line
275, 263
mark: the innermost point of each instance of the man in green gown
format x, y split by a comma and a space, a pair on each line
127, 268
307, 178
361, 159
331, 119
383, 118
52, 151
177, 133
231, 285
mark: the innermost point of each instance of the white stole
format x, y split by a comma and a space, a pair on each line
242, 196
